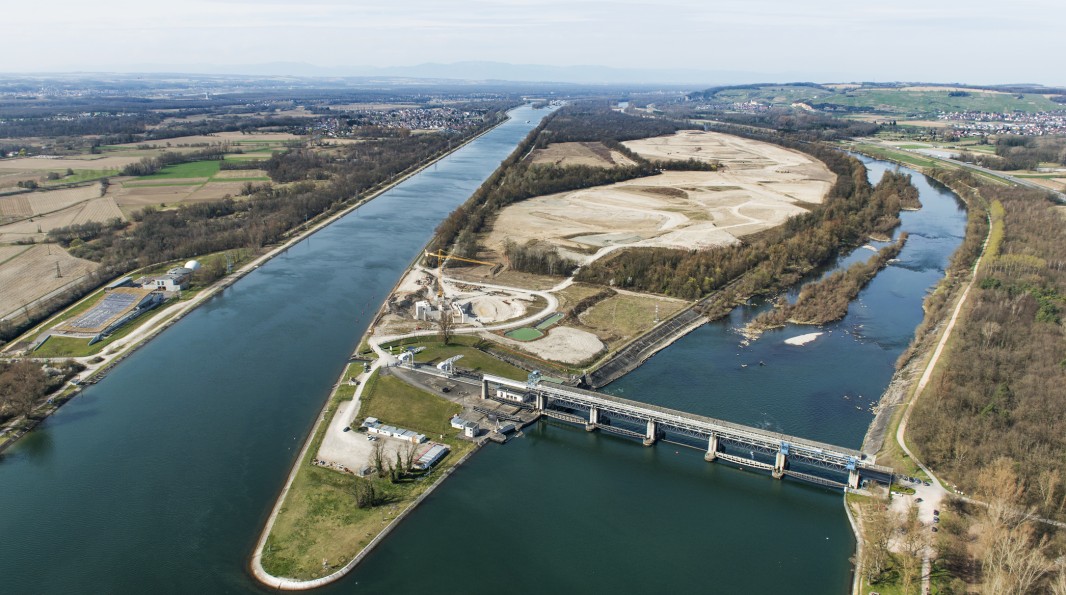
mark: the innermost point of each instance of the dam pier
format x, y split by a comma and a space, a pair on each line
749, 447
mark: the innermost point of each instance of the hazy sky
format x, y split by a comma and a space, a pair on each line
976, 41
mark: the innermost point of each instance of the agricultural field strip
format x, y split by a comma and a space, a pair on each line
32, 274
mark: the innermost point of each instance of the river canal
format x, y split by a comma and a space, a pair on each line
159, 477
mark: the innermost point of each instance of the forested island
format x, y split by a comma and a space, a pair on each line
827, 300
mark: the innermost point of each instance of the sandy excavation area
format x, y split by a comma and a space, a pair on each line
760, 187
563, 344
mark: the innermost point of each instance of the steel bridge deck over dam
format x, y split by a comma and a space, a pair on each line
822, 464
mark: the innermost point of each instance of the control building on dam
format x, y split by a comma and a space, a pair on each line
780, 454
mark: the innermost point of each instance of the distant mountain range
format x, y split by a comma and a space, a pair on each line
477, 71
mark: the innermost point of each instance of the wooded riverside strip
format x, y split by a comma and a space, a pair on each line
1002, 390
773, 259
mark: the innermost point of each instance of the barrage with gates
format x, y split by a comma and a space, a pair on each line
780, 454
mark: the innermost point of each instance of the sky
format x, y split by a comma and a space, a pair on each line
971, 41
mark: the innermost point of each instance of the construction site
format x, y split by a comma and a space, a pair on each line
586, 331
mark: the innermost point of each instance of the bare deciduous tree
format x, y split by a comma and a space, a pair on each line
445, 325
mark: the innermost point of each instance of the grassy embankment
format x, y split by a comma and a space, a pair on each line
465, 345
319, 520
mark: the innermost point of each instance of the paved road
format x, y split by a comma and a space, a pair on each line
945, 156
552, 307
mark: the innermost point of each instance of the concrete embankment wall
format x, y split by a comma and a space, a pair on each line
637, 352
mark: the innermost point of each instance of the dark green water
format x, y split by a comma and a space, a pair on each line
159, 478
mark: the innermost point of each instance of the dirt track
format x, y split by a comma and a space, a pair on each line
762, 186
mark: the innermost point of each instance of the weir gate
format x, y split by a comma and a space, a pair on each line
780, 454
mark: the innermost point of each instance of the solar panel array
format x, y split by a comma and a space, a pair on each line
112, 305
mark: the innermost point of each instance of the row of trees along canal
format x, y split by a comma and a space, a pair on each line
993, 419
307, 184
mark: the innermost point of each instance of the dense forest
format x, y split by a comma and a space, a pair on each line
536, 257
596, 121
802, 125
775, 258
828, 299
1001, 391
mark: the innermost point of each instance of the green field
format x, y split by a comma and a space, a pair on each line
896, 101
194, 169
319, 527
893, 100
473, 359
399, 404
161, 184
525, 334
773, 94
82, 175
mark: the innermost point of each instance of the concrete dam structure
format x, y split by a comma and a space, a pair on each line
780, 454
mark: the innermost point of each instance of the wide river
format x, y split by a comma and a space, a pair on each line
158, 479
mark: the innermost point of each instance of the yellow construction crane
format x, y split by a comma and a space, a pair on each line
441, 258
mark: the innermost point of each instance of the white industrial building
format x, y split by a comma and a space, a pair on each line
175, 279
431, 456
374, 426
470, 429
511, 396
461, 313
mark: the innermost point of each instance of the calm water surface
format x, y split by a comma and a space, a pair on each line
159, 477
